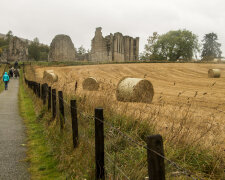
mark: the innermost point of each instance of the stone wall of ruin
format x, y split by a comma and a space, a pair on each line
61, 49
115, 47
17, 51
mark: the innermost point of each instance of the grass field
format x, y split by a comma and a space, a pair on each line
187, 109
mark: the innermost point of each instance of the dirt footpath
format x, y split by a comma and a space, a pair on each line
12, 136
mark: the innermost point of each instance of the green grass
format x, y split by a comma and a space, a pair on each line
1, 86
43, 165
2, 69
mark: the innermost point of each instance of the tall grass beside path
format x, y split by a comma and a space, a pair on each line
43, 165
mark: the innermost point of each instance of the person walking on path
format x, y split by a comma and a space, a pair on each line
16, 65
6, 80
16, 73
11, 72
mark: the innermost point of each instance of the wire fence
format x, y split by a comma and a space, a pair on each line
121, 148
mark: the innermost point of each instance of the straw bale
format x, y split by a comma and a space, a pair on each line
90, 84
134, 90
214, 73
50, 76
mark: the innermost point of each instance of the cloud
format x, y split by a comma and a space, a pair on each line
46, 18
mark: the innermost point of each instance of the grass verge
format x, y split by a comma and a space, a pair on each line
3, 68
39, 155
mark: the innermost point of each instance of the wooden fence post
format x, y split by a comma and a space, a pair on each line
99, 144
53, 103
39, 90
156, 167
42, 91
44, 96
33, 85
36, 88
73, 107
49, 98
61, 109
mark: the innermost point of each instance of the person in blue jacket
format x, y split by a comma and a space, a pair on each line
6, 80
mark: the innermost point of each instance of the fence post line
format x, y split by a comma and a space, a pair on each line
99, 144
61, 109
73, 107
156, 167
53, 103
49, 97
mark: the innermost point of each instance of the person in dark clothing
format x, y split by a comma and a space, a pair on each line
6, 80
16, 73
11, 72
16, 65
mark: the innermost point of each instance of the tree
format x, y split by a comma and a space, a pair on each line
81, 50
3, 42
34, 50
44, 49
36, 40
9, 35
211, 48
149, 47
174, 45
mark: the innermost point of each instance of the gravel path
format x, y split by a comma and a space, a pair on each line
12, 136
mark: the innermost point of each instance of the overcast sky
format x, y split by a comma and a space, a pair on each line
138, 18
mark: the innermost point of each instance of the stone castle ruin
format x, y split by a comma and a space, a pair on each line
115, 47
16, 51
61, 49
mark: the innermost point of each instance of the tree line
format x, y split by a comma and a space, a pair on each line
172, 46
181, 45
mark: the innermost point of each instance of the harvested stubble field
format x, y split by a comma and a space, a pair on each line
187, 108
183, 92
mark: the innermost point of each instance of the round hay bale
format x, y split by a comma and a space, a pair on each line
90, 84
214, 73
134, 90
47, 72
50, 76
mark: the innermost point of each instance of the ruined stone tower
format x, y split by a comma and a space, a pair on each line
115, 47
18, 50
61, 49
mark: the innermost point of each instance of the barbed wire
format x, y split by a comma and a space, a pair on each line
181, 169
125, 135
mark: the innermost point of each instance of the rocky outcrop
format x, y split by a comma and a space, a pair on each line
114, 47
17, 51
3, 56
61, 49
